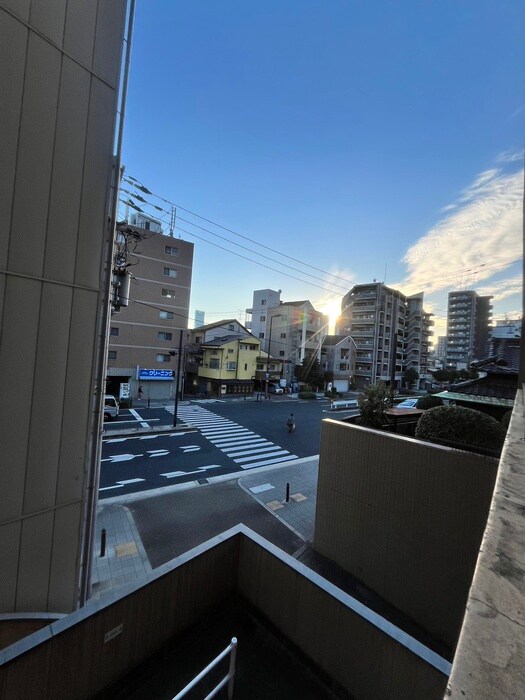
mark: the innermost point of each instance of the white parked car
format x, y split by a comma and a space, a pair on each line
407, 403
275, 389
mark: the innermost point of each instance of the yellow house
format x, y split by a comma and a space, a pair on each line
229, 365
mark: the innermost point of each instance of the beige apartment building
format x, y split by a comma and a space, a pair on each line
147, 330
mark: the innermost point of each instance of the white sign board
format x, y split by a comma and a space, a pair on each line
124, 391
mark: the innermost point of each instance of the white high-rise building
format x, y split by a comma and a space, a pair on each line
263, 301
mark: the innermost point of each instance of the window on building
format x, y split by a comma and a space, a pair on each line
283, 335
198, 339
343, 366
112, 355
262, 318
263, 302
260, 365
245, 366
165, 336
231, 327
261, 335
169, 293
113, 331
281, 353
166, 314
231, 365
230, 351
169, 272
171, 250
215, 363
160, 357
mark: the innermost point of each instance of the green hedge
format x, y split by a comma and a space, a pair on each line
307, 395
462, 425
429, 401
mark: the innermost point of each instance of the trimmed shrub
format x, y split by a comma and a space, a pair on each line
505, 420
307, 395
429, 401
462, 425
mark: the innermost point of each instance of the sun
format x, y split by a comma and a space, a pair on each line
332, 308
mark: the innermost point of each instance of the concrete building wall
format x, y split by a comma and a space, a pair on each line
59, 93
405, 517
263, 300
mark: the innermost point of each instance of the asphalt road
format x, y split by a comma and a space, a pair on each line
221, 438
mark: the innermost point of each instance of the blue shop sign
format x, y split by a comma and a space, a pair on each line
149, 374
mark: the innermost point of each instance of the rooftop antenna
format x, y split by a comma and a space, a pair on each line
173, 215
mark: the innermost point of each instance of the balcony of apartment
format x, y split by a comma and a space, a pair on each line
363, 332
360, 306
363, 371
363, 344
365, 293
360, 357
299, 636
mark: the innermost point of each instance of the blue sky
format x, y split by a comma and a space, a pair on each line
366, 139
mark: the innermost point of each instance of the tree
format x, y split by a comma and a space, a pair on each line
373, 404
410, 375
461, 425
442, 376
310, 373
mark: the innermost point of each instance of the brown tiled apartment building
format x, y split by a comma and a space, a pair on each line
143, 333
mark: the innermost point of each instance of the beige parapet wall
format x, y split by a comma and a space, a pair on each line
405, 517
490, 656
362, 652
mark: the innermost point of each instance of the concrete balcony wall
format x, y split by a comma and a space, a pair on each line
331, 629
489, 660
405, 517
361, 651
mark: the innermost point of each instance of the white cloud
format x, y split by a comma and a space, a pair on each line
481, 237
510, 156
503, 289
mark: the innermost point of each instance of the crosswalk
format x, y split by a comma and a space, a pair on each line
247, 449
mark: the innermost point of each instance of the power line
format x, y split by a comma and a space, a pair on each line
135, 183
254, 261
235, 233
179, 228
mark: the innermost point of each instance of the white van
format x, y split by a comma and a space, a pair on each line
343, 403
111, 407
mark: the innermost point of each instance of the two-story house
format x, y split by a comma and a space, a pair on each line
229, 365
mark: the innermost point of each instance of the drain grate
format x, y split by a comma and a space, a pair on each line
203, 481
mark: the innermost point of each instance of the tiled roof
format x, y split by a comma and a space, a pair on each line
227, 339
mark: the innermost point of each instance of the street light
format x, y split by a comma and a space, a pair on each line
269, 346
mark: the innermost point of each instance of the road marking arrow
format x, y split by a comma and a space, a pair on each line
171, 475
121, 484
121, 458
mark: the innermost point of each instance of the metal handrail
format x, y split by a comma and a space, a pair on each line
228, 678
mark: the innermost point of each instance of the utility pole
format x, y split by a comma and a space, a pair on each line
176, 406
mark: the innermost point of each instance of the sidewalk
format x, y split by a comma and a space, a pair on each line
136, 525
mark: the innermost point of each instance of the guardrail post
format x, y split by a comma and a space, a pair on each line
103, 542
287, 493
